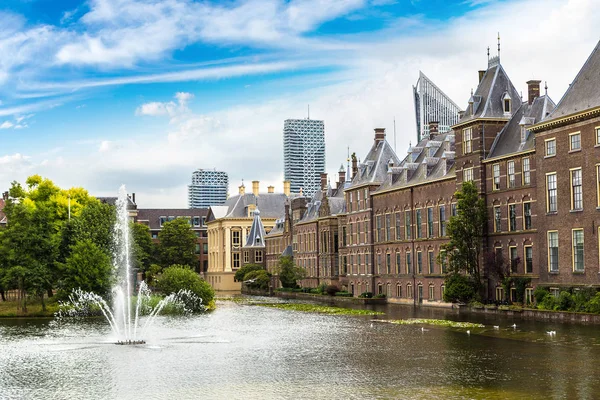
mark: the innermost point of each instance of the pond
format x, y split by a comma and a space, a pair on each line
243, 351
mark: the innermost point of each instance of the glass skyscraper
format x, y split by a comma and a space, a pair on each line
304, 154
208, 188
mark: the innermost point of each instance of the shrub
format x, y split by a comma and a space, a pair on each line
258, 279
315, 291
565, 301
379, 296
366, 295
593, 305
539, 294
459, 288
240, 274
548, 303
331, 290
322, 288
476, 305
343, 293
178, 277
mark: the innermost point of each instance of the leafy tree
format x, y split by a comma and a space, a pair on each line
466, 232
258, 279
459, 288
88, 267
177, 277
177, 243
142, 248
240, 274
288, 272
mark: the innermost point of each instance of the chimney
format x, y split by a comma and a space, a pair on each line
481, 74
379, 135
533, 90
242, 189
255, 187
341, 176
5, 195
323, 180
271, 189
286, 188
133, 197
433, 129
354, 165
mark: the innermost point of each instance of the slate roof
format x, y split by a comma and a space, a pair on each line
487, 101
256, 237
271, 205
374, 167
509, 138
584, 91
335, 199
152, 215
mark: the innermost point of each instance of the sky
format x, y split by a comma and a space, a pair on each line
101, 93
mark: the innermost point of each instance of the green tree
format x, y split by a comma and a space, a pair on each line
142, 248
459, 288
177, 277
177, 244
240, 274
89, 268
288, 272
466, 232
257, 279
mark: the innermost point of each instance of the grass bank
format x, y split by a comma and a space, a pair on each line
319, 309
12, 309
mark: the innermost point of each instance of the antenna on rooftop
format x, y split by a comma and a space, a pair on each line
546, 87
488, 53
394, 134
498, 46
308, 117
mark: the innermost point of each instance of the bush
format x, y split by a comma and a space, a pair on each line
178, 277
379, 296
322, 288
565, 301
240, 274
331, 290
477, 305
539, 294
366, 295
343, 293
258, 279
315, 291
459, 288
548, 303
593, 305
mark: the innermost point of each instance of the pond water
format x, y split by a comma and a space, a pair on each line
243, 351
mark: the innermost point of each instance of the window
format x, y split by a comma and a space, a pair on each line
526, 215
497, 219
576, 190
398, 263
467, 141
398, 226
442, 290
350, 202
196, 221
258, 256
366, 231
408, 263
407, 227
496, 175
575, 141
514, 259
528, 295
418, 225
419, 262
467, 174
409, 291
203, 221
442, 220
512, 217
578, 250
246, 257
236, 260
430, 222
388, 227
507, 105
162, 221
378, 263
555, 292
528, 259
398, 290
430, 293
598, 184
420, 292
344, 239
197, 248
550, 147
205, 248
154, 235
499, 293
526, 171
443, 261
379, 229
511, 173
598, 136
551, 201
453, 210
553, 251
235, 235
431, 263
388, 263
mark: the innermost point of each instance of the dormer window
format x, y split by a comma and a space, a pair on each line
506, 100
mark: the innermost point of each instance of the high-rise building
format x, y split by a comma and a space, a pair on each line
433, 105
303, 154
208, 188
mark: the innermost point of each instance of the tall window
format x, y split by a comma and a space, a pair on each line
366, 231
551, 204
443, 261
388, 227
553, 251
575, 141
235, 238
526, 171
467, 174
407, 227
379, 230
246, 257
514, 259
497, 219
408, 263
550, 147
419, 262
511, 174
344, 238
259, 256
598, 184
576, 190
398, 263
527, 215
430, 263
512, 217
398, 226
442, 220
496, 175
430, 222
453, 210
467, 141
528, 259
236, 260
598, 136
418, 225
578, 250
350, 202
388, 263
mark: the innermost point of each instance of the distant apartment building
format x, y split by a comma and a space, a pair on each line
431, 104
208, 188
304, 154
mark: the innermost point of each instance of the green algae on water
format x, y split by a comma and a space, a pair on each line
319, 309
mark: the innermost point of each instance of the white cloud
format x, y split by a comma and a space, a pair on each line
6, 125
170, 108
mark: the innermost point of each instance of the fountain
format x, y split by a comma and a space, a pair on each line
124, 323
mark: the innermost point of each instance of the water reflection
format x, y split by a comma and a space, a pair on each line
248, 352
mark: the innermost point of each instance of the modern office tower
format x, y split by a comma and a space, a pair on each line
208, 188
303, 154
433, 105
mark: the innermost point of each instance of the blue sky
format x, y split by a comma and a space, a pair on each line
102, 92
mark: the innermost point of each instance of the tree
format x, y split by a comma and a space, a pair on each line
466, 231
89, 268
142, 248
240, 274
288, 272
177, 243
257, 279
178, 277
459, 288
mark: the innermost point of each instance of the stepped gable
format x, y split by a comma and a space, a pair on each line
256, 237
584, 92
515, 136
488, 99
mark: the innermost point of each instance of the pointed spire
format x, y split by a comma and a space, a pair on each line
488, 53
498, 46
546, 88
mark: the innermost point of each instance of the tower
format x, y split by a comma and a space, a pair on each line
208, 188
